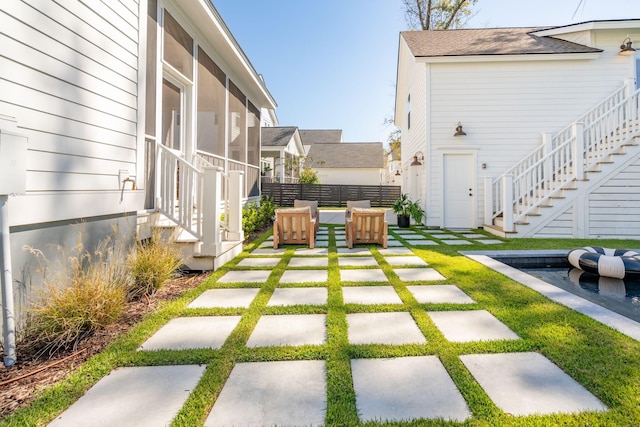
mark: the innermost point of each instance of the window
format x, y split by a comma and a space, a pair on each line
237, 123
178, 46
211, 105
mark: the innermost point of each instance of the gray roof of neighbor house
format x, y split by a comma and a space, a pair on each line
277, 136
346, 155
320, 136
488, 41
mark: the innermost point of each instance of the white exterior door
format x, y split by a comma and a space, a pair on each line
458, 191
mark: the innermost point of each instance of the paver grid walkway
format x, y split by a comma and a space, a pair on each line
295, 392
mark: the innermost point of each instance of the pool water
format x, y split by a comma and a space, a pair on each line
622, 297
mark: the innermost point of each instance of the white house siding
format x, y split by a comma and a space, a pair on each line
505, 107
561, 226
68, 73
614, 208
349, 176
68, 76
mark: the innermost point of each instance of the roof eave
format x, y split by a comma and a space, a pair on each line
510, 57
614, 24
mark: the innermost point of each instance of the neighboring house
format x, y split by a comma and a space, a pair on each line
117, 110
319, 136
529, 132
354, 163
392, 174
282, 150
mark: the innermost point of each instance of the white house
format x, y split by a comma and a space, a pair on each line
116, 112
283, 151
354, 163
529, 132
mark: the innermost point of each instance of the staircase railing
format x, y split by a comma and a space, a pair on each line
564, 158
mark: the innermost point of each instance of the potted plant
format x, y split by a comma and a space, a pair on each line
406, 209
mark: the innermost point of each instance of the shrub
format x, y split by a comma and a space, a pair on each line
308, 176
255, 216
87, 294
151, 264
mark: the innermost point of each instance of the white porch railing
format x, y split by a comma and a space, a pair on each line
563, 158
192, 197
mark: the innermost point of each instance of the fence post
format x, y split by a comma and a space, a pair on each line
211, 210
577, 150
507, 204
488, 200
235, 205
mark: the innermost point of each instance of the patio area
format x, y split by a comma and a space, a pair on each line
285, 330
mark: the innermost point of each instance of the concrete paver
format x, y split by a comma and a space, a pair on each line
267, 251
141, 396
368, 261
396, 251
308, 262
489, 241
439, 294
298, 296
406, 388
289, 329
354, 251
311, 252
468, 326
288, 393
225, 298
368, 275
418, 274
405, 260
456, 242
447, 236
259, 262
246, 276
529, 383
383, 328
203, 332
370, 295
302, 276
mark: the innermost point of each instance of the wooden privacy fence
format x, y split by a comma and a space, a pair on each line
331, 195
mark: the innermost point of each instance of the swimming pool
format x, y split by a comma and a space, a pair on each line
613, 302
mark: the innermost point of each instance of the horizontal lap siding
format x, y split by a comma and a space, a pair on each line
614, 208
505, 107
68, 74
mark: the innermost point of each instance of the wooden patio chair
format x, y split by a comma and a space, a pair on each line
313, 204
356, 204
366, 226
294, 226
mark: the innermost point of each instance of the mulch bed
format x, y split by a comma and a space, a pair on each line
22, 383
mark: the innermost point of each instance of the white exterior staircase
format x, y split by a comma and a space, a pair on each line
199, 210
566, 166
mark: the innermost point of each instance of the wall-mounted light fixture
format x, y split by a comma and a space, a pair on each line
418, 159
398, 172
459, 131
626, 49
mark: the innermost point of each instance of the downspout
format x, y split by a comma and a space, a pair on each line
8, 319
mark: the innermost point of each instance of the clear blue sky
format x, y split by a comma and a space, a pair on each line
331, 64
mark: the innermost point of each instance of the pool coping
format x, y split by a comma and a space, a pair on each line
603, 315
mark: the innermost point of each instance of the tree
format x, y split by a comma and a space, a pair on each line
437, 14
308, 176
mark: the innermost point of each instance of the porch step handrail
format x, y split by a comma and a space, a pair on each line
181, 191
543, 172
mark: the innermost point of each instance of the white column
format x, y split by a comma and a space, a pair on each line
507, 203
577, 150
488, 200
211, 211
236, 180
8, 319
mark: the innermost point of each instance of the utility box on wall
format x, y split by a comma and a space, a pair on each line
13, 163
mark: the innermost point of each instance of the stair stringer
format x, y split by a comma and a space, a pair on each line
578, 198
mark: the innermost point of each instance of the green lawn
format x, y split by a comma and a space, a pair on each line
604, 361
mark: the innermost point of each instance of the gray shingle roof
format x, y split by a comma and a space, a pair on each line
277, 136
346, 155
320, 136
488, 41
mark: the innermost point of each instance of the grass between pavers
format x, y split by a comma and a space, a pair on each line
604, 361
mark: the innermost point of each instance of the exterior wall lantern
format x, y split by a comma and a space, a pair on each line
626, 49
398, 172
459, 131
418, 159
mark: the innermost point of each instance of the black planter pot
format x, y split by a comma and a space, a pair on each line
404, 221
